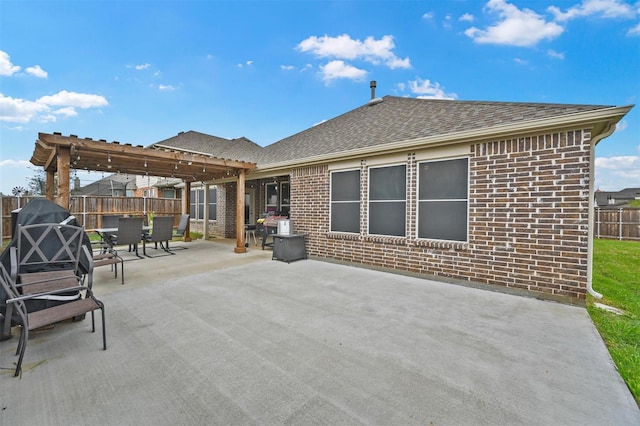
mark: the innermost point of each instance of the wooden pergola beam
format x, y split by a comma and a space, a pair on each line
59, 154
113, 157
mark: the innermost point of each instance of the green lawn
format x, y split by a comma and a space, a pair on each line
616, 274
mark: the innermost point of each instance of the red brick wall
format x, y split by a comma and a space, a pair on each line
528, 219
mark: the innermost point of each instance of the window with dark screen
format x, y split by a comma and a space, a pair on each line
345, 201
388, 200
443, 188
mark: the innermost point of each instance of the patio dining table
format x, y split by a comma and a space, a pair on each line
104, 232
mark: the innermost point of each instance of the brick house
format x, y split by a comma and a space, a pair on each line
493, 194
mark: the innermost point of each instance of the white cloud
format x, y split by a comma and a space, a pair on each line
142, 67
621, 126
6, 67
15, 163
339, 69
467, 17
66, 111
634, 31
517, 27
427, 16
74, 99
166, 87
15, 110
447, 22
20, 110
247, 63
36, 71
619, 162
427, 90
615, 173
344, 47
601, 8
287, 67
553, 54
520, 61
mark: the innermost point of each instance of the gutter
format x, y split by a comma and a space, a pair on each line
592, 154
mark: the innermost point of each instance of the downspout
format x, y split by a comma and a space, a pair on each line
592, 153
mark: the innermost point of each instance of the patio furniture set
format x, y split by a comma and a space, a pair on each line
130, 231
50, 280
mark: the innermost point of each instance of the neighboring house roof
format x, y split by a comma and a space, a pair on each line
238, 148
167, 182
106, 185
395, 119
617, 198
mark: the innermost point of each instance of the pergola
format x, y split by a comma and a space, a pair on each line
59, 154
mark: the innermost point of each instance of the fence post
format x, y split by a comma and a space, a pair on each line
84, 210
620, 224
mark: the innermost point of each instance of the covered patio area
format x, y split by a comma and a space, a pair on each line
58, 155
207, 337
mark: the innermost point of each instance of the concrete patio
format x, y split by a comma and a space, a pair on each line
207, 336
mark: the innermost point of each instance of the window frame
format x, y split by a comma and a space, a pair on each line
285, 207
442, 200
270, 207
213, 203
196, 203
387, 201
344, 202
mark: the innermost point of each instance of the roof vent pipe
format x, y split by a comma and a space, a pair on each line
372, 85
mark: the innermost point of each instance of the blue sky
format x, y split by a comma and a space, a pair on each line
141, 71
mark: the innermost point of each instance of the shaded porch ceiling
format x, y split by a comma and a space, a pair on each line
114, 157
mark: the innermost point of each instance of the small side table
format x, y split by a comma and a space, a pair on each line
289, 248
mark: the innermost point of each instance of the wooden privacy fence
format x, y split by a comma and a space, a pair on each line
622, 223
89, 209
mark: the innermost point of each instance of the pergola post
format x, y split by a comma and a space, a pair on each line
49, 184
240, 248
64, 156
186, 204
205, 230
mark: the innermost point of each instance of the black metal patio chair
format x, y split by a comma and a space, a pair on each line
31, 320
161, 232
129, 233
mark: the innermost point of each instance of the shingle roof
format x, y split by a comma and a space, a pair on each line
395, 119
233, 149
622, 197
105, 185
